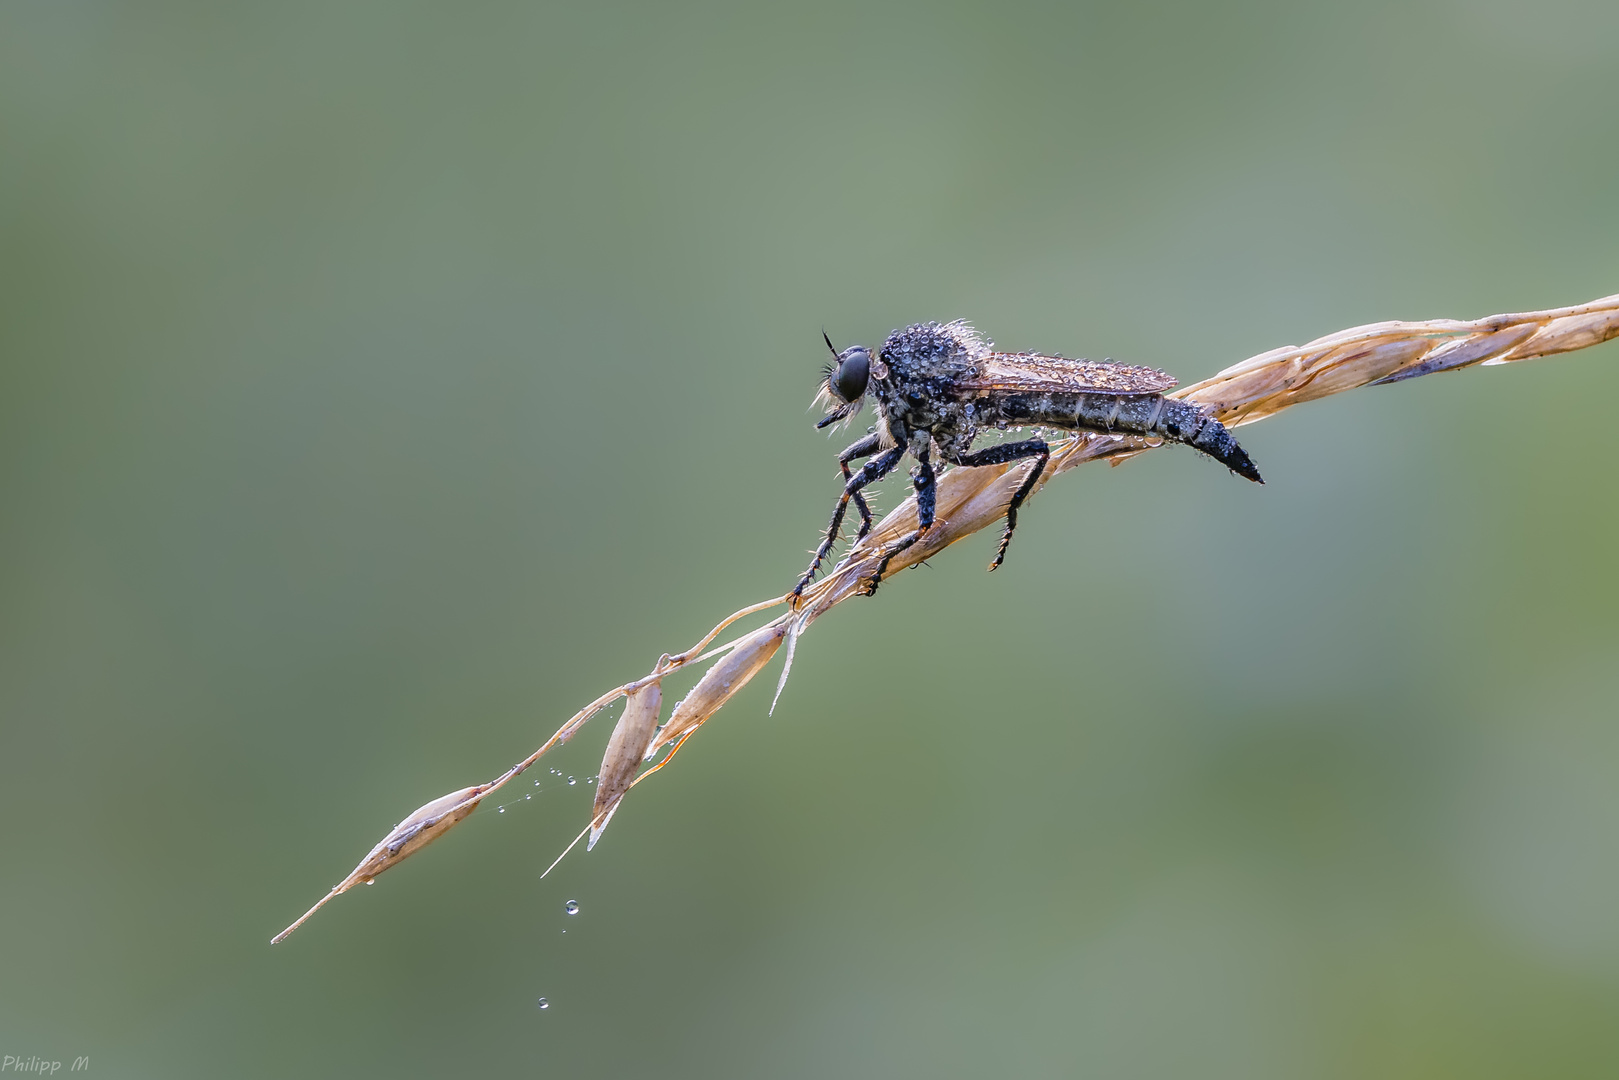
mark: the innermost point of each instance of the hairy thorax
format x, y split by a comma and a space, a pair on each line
916, 386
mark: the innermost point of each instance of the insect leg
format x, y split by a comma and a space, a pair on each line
873, 470
999, 455
924, 481
864, 448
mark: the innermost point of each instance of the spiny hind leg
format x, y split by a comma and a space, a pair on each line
927, 497
871, 472
1038, 449
1017, 500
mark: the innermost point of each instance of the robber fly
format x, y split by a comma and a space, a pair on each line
937, 386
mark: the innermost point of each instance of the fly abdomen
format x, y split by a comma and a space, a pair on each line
1197, 429
1167, 418
1118, 412
1137, 414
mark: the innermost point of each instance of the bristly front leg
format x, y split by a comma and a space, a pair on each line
873, 470
1000, 455
864, 448
927, 493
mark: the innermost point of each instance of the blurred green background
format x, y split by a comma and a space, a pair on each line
381, 383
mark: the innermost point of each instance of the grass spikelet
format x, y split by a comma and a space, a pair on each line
426, 824
721, 681
625, 749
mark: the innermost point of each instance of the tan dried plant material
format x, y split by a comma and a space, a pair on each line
720, 682
405, 839
971, 499
431, 821
625, 750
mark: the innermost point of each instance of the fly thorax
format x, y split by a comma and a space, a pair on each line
925, 349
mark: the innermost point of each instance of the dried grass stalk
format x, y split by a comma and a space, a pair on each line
971, 499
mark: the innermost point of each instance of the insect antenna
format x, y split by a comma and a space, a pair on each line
827, 371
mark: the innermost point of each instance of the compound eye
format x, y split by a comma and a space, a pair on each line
854, 367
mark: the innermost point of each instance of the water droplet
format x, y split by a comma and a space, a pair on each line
500, 809
544, 1004
571, 907
572, 781
528, 796
536, 783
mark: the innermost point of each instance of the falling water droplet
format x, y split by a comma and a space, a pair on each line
544, 1004
571, 907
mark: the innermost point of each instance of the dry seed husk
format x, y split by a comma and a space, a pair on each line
426, 824
728, 675
625, 751
1266, 384
1568, 334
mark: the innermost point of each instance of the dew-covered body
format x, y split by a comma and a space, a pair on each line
936, 387
1142, 414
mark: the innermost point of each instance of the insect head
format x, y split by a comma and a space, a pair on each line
845, 383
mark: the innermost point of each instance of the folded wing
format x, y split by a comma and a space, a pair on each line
1055, 374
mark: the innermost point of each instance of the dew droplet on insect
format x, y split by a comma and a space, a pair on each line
544, 1004
571, 907
572, 781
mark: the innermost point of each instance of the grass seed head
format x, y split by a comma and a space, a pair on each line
971, 499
